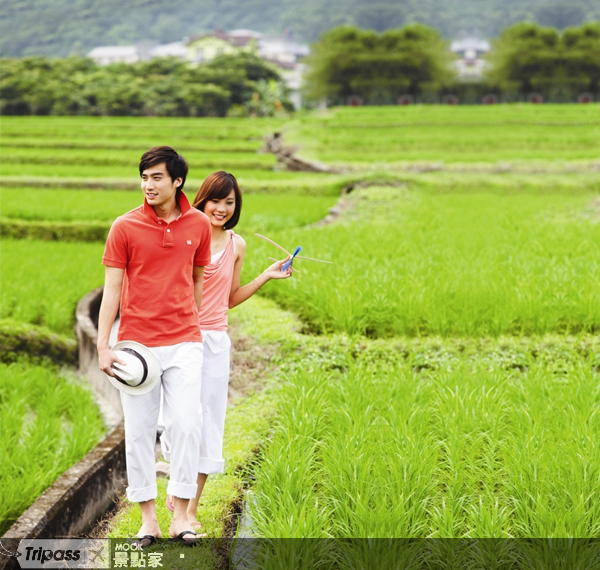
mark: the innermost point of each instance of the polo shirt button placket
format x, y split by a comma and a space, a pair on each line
168, 240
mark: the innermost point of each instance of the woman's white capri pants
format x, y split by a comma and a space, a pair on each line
215, 382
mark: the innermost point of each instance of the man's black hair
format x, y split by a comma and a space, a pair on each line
177, 166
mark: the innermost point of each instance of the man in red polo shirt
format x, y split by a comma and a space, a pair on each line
154, 263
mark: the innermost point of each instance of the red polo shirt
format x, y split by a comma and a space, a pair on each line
157, 299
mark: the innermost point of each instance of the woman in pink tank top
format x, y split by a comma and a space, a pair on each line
220, 199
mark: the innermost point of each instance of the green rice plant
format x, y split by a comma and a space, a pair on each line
41, 282
95, 147
396, 135
412, 263
27, 157
42, 141
467, 448
165, 130
67, 205
260, 212
48, 423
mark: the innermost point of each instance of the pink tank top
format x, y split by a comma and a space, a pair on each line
216, 289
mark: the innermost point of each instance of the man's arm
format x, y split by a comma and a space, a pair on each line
111, 297
198, 281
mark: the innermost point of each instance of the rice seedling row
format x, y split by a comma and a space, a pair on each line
261, 211
412, 263
123, 128
459, 134
48, 423
469, 446
194, 144
107, 158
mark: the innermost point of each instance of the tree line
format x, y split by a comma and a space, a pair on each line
237, 85
59, 28
347, 65
351, 65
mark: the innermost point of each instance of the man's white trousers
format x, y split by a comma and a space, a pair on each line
181, 385
215, 381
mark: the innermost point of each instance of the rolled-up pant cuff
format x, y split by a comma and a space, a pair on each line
208, 466
182, 490
142, 494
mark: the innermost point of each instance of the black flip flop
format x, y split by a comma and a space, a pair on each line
180, 540
144, 541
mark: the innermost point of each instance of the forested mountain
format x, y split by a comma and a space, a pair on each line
63, 27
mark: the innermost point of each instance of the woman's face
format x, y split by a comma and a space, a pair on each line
220, 210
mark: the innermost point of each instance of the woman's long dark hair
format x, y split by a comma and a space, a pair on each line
219, 185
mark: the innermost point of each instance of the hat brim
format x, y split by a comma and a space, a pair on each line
154, 371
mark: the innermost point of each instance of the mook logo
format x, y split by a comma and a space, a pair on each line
63, 553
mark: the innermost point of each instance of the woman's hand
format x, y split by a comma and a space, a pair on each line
274, 271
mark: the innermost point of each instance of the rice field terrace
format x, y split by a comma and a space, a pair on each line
443, 379
517, 133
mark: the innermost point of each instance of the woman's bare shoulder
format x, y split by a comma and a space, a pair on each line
240, 243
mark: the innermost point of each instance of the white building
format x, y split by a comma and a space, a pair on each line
105, 55
176, 49
282, 49
470, 66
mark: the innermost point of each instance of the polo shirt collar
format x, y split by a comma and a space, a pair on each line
184, 206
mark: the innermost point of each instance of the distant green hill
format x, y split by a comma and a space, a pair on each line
63, 27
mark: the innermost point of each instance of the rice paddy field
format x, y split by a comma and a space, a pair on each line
444, 382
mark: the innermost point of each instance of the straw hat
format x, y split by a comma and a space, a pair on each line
141, 371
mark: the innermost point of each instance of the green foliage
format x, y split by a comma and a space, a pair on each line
160, 87
528, 58
270, 98
36, 343
582, 56
349, 62
48, 423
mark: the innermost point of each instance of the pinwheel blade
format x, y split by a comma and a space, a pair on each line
293, 268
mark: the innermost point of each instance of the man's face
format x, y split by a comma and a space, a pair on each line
157, 186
